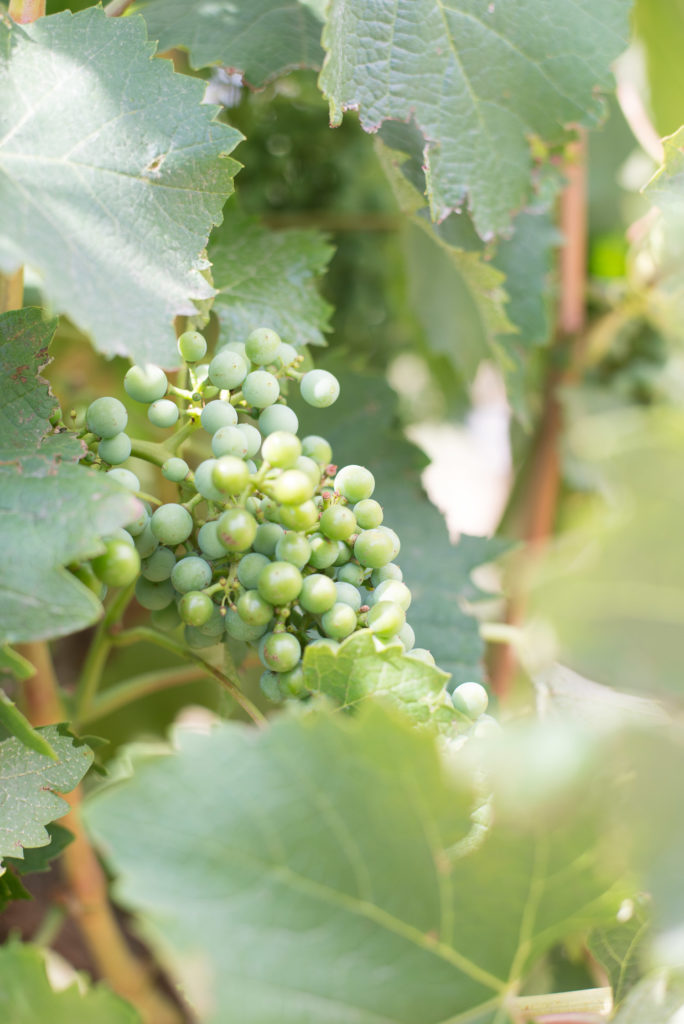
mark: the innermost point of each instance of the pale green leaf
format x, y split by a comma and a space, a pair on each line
658, 999
27, 997
29, 788
330, 880
259, 38
619, 948
19, 726
479, 79
127, 166
269, 278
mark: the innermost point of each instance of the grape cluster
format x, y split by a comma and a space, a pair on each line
269, 543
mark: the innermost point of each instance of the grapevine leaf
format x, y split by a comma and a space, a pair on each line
29, 787
26, 995
18, 725
120, 150
38, 859
479, 81
619, 949
260, 38
269, 278
357, 671
658, 999
11, 888
331, 878
438, 572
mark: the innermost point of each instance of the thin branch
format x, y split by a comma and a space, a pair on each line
11, 290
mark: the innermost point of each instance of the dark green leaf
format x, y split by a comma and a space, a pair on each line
38, 859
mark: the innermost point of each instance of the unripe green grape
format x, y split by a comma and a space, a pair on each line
192, 347
351, 573
286, 354
355, 483
218, 414
171, 524
271, 510
106, 417
154, 596
280, 583
146, 542
236, 529
292, 487
230, 475
237, 346
204, 480
280, 651
269, 685
420, 654
386, 572
293, 547
311, 468
195, 608
125, 478
299, 517
208, 541
253, 609
368, 513
394, 537
252, 437
260, 389
338, 522
145, 383
318, 594
471, 699
323, 551
318, 449
163, 413
485, 728
167, 619
251, 467
159, 565
175, 469
278, 417
196, 639
228, 369
118, 565
348, 594
115, 450
292, 683
319, 388
137, 525
238, 629
339, 622
229, 441
249, 569
215, 624
119, 534
281, 449
386, 618
191, 573
267, 537
373, 548
262, 346
393, 590
407, 636
344, 553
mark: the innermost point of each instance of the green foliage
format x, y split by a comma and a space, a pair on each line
16, 724
619, 948
659, 25
37, 859
29, 787
259, 38
658, 999
116, 147
26, 995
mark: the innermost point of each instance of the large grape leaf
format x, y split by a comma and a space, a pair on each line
26, 995
268, 278
29, 788
260, 38
478, 79
658, 999
111, 177
330, 881
361, 428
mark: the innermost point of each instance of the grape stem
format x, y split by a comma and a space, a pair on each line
180, 392
174, 442
150, 451
145, 634
191, 502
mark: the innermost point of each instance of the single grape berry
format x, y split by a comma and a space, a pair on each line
267, 537
196, 608
191, 573
299, 517
373, 548
145, 383
278, 417
318, 449
204, 480
323, 551
287, 354
293, 547
262, 346
407, 637
344, 553
318, 594
393, 590
192, 347
229, 441
171, 524
471, 699
238, 629
420, 654
196, 638
394, 537
280, 651
292, 487
386, 619
163, 413
106, 417
228, 369
154, 596
230, 474
175, 469
146, 542
292, 683
338, 522
125, 478
280, 583
249, 569
167, 619
355, 483
260, 389
236, 529
386, 572
252, 437
215, 625
351, 573
118, 565
218, 414
311, 468
159, 565
281, 449
253, 609
319, 388
348, 594
368, 513
114, 450
339, 622
207, 539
